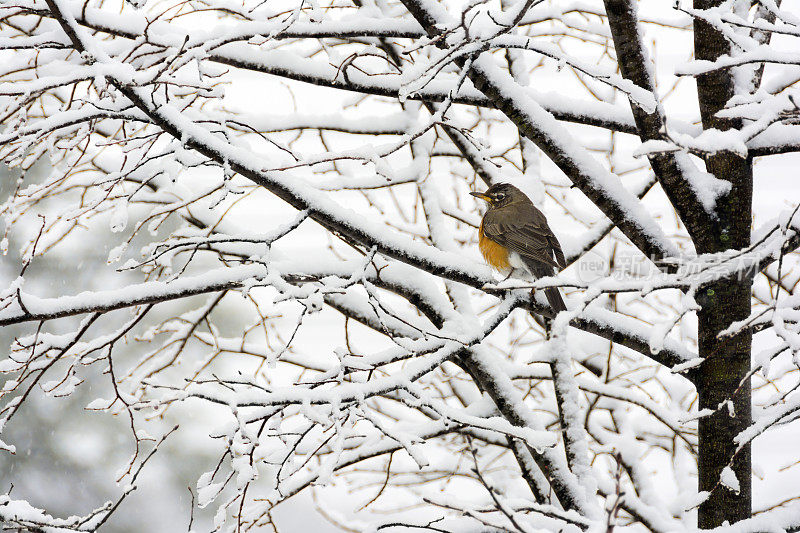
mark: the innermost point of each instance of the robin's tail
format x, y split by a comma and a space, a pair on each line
540, 270
554, 299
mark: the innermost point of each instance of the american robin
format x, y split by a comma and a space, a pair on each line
515, 235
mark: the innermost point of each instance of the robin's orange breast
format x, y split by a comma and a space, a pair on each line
494, 254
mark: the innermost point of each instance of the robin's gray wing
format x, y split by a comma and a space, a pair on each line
527, 233
524, 230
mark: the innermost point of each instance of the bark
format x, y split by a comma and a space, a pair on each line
721, 378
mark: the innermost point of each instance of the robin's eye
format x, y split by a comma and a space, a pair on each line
499, 196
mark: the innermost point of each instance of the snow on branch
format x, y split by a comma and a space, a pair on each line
204, 240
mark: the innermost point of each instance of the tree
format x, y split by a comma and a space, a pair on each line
293, 266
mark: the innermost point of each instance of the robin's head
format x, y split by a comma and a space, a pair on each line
500, 194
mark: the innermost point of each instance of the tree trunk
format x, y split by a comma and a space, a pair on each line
726, 365
727, 361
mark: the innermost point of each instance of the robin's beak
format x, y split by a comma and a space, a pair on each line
481, 196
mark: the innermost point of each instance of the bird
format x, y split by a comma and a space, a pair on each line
514, 235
